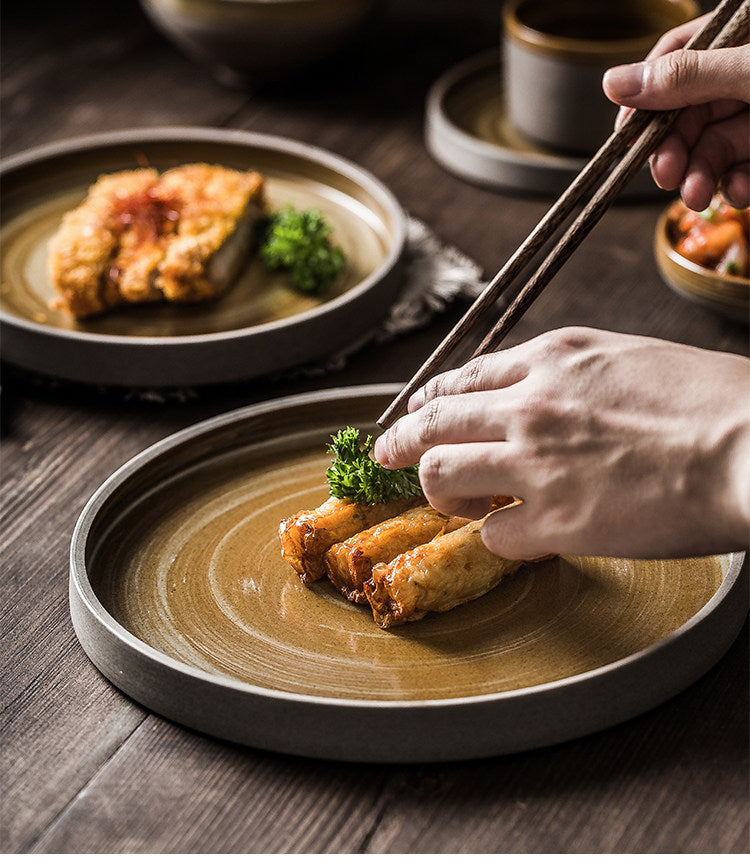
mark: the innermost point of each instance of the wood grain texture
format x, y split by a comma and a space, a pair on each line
87, 770
629, 789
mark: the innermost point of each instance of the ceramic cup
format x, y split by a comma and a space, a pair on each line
556, 52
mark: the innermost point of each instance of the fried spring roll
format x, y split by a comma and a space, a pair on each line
306, 536
449, 570
349, 563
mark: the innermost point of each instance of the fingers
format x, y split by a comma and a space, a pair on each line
709, 145
467, 418
700, 154
669, 162
476, 402
736, 186
671, 41
498, 369
721, 147
678, 37
680, 78
461, 479
487, 372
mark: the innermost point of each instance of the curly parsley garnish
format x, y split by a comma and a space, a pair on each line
299, 243
354, 475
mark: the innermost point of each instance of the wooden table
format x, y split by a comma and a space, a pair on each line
84, 768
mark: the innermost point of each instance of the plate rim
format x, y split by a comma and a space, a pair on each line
81, 589
237, 137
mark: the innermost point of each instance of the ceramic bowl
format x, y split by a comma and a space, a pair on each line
254, 40
724, 293
556, 55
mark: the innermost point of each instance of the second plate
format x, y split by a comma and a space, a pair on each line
259, 326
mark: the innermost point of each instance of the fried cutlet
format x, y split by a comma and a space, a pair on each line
140, 236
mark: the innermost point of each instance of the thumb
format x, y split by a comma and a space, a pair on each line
681, 78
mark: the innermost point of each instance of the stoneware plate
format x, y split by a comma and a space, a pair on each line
468, 132
180, 597
260, 325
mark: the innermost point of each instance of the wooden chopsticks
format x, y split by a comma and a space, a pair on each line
645, 130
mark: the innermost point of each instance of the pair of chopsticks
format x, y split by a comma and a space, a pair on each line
624, 152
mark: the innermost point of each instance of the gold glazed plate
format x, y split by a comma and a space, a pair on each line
180, 596
467, 130
258, 326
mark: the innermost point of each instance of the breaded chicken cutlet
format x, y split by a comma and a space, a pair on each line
140, 236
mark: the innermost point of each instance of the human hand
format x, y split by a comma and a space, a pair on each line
709, 145
618, 445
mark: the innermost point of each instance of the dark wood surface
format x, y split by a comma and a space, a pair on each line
84, 768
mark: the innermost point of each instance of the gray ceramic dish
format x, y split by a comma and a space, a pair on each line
259, 326
179, 595
467, 130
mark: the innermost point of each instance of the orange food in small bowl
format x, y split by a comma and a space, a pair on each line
706, 255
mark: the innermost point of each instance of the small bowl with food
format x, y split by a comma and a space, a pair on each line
703, 255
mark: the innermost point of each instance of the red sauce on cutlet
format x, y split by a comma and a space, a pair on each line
148, 214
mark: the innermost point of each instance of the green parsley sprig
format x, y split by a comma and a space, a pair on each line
299, 242
354, 475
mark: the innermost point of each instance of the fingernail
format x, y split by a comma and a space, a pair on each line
654, 168
416, 401
379, 450
624, 81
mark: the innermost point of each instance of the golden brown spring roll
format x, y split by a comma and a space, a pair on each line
447, 571
349, 563
306, 536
